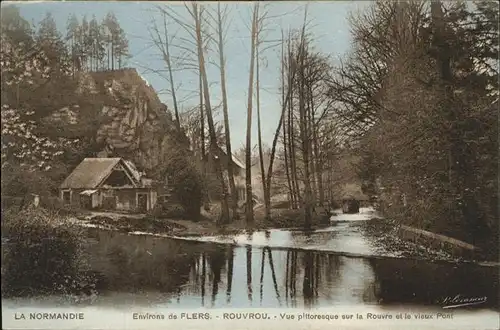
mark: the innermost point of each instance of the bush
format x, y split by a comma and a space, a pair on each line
42, 254
174, 211
169, 211
187, 185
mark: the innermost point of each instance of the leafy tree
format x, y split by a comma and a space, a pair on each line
16, 27
430, 149
26, 73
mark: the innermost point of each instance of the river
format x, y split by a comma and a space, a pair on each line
335, 267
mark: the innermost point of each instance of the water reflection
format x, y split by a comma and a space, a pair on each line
173, 273
292, 278
350, 241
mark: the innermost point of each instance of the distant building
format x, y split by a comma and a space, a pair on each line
238, 171
110, 184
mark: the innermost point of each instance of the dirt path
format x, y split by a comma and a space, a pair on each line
115, 215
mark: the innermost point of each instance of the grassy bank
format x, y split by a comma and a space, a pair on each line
44, 253
207, 224
388, 234
41, 254
131, 224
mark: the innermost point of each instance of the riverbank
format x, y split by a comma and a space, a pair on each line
206, 226
413, 242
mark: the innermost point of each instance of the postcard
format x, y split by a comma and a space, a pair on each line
244, 165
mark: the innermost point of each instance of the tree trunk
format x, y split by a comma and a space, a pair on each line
267, 197
203, 158
286, 122
166, 58
310, 128
291, 151
318, 167
214, 148
248, 159
230, 170
291, 131
304, 131
112, 54
287, 169
273, 151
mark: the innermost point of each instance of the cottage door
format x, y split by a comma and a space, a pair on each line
142, 202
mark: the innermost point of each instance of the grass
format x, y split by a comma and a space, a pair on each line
207, 224
128, 224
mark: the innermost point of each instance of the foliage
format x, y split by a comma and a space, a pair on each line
183, 175
430, 151
27, 71
96, 46
187, 184
168, 211
43, 253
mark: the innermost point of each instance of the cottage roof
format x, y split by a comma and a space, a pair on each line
235, 160
92, 171
133, 170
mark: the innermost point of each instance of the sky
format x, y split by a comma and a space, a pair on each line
327, 23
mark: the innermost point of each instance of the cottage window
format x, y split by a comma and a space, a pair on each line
66, 196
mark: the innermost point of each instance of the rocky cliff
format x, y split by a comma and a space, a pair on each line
123, 115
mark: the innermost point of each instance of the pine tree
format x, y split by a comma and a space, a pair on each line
51, 43
96, 44
83, 42
48, 28
121, 47
112, 33
16, 27
72, 27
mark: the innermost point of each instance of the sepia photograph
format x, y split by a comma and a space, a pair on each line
245, 165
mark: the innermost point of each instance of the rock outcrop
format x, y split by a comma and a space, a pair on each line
128, 119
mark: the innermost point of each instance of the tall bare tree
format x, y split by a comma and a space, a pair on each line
248, 148
285, 121
196, 13
304, 127
285, 100
221, 15
163, 45
259, 128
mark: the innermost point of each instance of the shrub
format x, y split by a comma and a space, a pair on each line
187, 184
174, 211
168, 210
42, 253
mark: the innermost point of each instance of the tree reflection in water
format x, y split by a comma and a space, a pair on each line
203, 275
217, 261
230, 265
249, 273
262, 275
326, 278
273, 274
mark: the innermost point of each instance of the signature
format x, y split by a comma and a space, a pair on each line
461, 301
